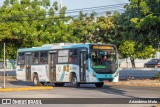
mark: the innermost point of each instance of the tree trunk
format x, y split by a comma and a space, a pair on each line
133, 63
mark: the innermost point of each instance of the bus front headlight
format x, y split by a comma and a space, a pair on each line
116, 74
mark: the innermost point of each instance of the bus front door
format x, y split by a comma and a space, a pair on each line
52, 66
28, 62
83, 63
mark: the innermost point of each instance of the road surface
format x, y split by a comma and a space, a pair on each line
85, 91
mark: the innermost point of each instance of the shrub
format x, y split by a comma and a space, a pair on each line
14, 78
157, 76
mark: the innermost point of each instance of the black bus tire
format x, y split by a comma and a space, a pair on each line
36, 80
42, 83
74, 81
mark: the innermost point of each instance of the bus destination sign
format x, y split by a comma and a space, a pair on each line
101, 47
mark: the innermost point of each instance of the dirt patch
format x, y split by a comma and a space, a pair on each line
144, 82
156, 105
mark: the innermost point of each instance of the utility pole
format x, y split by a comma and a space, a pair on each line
158, 50
4, 76
61, 5
158, 53
158, 45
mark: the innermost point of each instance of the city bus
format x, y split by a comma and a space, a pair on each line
62, 63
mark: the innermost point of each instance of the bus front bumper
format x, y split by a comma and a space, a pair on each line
104, 77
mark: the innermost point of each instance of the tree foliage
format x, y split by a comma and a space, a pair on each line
27, 23
142, 24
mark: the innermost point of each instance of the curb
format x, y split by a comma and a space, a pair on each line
146, 69
26, 88
132, 85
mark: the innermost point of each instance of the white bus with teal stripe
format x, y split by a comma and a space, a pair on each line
68, 63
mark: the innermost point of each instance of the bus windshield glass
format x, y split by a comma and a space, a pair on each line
104, 60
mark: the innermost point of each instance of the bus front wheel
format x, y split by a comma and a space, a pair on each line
74, 81
99, 85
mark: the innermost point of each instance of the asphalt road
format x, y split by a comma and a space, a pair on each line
85, 91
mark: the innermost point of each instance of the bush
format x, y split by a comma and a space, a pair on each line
157, 76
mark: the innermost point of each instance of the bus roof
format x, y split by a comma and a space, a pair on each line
59, 46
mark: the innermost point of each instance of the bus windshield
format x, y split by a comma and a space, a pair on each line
104, 60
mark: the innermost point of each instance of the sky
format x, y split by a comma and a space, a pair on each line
78, 4
81, 4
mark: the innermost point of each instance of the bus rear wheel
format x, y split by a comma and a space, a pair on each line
36, 80
99, 85
42, 83
59, 84
74, 81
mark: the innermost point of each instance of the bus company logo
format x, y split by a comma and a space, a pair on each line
6, 101
66, 68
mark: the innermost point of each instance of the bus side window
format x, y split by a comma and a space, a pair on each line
21, 58
63, 56
86, 61
35, 58
70, 60
43, 57
73, 56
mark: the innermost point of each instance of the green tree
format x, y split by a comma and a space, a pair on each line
140, 24
130, 49
145, 18
90, 28
28, 23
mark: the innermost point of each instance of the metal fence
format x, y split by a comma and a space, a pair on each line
126, 63
139, 73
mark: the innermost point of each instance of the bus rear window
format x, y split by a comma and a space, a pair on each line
20, 58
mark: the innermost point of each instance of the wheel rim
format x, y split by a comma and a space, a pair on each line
35, 81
